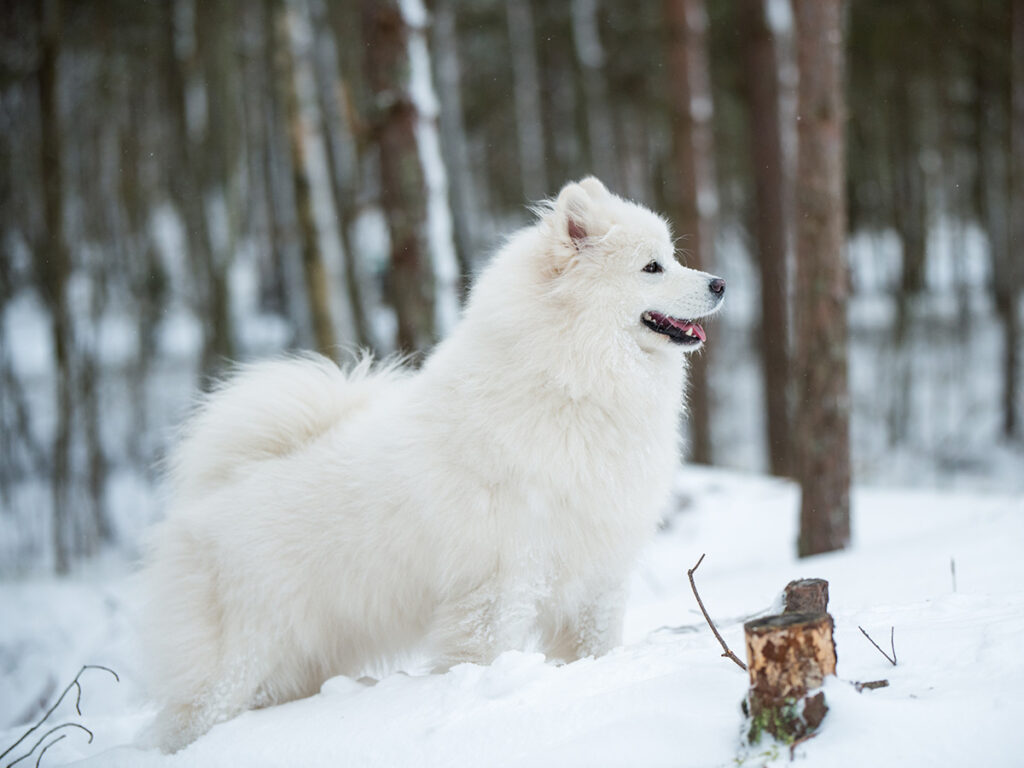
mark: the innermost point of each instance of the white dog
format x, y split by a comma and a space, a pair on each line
325, 523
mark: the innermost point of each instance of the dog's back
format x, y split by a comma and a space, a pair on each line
267, 410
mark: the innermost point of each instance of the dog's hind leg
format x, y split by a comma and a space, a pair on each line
207, 660
182, 721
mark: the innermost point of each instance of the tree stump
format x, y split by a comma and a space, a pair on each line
788, 656
806, 596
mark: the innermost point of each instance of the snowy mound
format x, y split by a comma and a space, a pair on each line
665, 699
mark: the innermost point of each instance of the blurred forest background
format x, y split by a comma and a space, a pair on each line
189, 182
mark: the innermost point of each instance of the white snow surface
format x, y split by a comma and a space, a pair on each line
667, 698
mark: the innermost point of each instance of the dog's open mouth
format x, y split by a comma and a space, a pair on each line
679, 331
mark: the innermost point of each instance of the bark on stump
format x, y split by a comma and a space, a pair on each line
806, 596
788, 656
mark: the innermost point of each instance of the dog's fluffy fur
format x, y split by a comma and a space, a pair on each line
324, 522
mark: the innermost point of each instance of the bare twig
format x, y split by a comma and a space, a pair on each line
48, 734
871, 685
727, 653
892, 643
798, 742
952, 571
43, 750
78, 708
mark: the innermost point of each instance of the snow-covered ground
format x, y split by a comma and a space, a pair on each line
665, 698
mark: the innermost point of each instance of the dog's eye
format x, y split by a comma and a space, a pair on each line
654, 268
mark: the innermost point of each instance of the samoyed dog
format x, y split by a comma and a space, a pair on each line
326, 522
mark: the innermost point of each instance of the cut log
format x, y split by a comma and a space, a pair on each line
788, 656
807, 596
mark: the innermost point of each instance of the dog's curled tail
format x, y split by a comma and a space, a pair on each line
266, 410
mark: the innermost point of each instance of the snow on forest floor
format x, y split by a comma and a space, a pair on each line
666, 698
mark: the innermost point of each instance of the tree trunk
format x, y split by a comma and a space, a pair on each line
762, 80
806, 596
788, 657
281, 276
403, 193
342, 168
53, 267
189, 195
216, 169
586, 35
464, 201
313, 269
1013, 273
910, 218
526, 92
822, 403
694, 177
443, 259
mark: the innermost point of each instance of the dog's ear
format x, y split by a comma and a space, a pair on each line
594, 188
578, 212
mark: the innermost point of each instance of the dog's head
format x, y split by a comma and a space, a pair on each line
616, 253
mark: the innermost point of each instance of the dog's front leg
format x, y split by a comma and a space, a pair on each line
466, 629
594, 629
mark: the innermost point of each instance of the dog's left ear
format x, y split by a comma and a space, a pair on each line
578, 211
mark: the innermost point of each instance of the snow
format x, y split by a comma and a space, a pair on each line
665, 698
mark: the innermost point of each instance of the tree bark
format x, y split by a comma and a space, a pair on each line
1012, 272
807, 596
788, 657
822, 402
187, 189
313, 269
464, 200
53, 267
762, 81
694, 177
403, 194
590, 56
526, 93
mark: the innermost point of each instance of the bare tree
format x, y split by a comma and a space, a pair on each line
53, 267
526, 91
343, 164
694, 176
1008, 280
403, 192
454, 141
185, 177
600, 136
822, 449
313, 268
761, 73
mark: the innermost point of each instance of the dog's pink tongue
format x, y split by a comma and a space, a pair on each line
685, 326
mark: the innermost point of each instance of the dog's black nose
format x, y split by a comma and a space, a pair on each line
717, 286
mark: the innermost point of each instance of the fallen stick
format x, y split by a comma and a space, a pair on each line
871, 685
892, 644
727, 652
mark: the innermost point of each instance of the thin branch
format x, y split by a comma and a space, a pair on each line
798, 742
46, 735
871, 685
78, 701
727, 653
892, 636
43, 750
